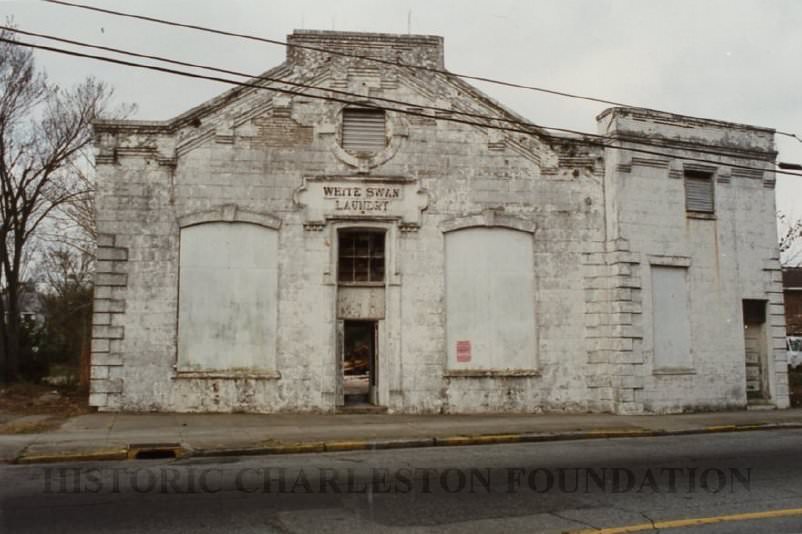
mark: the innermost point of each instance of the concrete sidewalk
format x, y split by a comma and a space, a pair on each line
120, 436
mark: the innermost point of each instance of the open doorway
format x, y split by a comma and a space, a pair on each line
359, 362
756, 351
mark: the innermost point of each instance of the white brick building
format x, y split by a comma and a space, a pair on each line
270, 252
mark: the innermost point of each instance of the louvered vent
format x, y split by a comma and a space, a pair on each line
699, 192
363, 130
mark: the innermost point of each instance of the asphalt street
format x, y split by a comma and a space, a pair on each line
717, 480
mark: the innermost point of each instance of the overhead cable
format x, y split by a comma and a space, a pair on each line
397, 63
529, 131
585, 135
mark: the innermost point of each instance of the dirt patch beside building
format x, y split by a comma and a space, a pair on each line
26, 408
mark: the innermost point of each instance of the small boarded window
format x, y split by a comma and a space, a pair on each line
699, 191
361, 256
363, 130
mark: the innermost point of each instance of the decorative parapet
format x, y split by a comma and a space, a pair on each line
681, 156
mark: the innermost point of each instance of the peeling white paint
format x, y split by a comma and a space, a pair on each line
567, 234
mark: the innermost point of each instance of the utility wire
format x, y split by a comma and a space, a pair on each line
529, 131
359, 102
685, 146
396, 63
262, 77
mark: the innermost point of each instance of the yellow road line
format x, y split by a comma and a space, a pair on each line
679, 523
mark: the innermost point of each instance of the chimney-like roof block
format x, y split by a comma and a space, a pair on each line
426, 50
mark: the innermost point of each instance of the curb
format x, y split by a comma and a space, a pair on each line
95, 455
480, 439
177, 451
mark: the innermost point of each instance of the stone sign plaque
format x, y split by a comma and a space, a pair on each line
326, 198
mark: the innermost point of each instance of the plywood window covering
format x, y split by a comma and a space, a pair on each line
490, 299
670, 322
699, 191
363, 130
361, 256
228, 297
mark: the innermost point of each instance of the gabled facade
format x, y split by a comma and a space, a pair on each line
269, 252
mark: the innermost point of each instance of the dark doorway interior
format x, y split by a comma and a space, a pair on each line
755, 344
359, 361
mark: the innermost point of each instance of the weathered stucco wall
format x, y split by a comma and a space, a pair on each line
730, 255
256, 156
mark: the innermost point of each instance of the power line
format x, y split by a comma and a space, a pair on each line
262, 77
325, 50
404, 111
396, 63
685, 146
374, 106
360, 102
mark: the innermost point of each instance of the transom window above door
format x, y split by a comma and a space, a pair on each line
361, 256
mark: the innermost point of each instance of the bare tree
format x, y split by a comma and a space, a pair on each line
43, 130
790, 239
72, 223
66, 303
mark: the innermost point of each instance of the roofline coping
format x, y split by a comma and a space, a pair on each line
186, 118
675, 117
366, 35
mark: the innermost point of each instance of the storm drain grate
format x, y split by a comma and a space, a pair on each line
154, 451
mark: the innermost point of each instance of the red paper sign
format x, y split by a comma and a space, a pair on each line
463, 351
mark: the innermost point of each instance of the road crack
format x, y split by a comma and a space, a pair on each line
276, 523
650, 520
566, 518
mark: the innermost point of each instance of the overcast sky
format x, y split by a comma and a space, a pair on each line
734, 60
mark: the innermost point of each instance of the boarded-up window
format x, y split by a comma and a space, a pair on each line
490, 299
227, 297
363, 130
699, 191
671, 326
